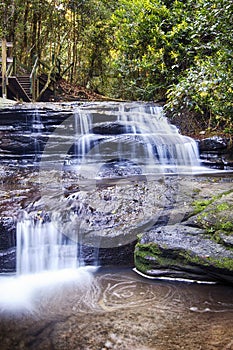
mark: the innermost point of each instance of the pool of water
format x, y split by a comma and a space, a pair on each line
111, 308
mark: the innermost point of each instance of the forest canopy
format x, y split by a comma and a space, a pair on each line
179, 52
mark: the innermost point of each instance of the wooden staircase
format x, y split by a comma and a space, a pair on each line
25, 87
20, 86
25, 83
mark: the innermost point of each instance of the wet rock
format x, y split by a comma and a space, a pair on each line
24, 131
185, 249
8, 260
111, 129
181, 251
215, 216
199, 247
213, 143
216, 152
7, 233
7, 245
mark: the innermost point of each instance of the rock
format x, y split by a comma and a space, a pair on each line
216, 152
180, 251
197, 206
8, 260
201, 247
215, 215
113, 215
213, 143
7, 245
4, 102
7, 233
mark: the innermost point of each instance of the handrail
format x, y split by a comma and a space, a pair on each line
9, 69
34, 67
45, 65
67, 69
33, 79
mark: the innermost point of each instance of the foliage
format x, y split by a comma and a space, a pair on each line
144, 55
177, 51
72, 32
205, 89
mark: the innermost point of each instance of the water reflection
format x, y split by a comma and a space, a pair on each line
117, 309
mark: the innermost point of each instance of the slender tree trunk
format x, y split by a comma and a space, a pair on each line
25, 33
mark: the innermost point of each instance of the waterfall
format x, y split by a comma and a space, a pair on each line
41, 247
100, 141
37, 128
138, 133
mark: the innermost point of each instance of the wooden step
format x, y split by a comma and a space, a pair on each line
20, 90
25, 83
20, 86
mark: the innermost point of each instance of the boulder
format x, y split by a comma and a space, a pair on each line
200, 246
8, 260
213, 143
216, 152
180, 251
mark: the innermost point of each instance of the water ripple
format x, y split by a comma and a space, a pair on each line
124, 292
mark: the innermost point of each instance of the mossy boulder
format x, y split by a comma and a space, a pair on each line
180, 251
215, 216
199, 247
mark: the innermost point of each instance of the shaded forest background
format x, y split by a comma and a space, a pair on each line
177, 52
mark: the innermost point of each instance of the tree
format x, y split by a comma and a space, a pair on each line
204, 90
177, 51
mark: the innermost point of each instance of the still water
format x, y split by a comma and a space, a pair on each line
111, 308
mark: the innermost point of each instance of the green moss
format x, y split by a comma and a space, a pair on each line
196, 190
191, 258
222, 225
150, 248
225, 263
149, 256
226, 226
201, 205
140, 264
222, 206
212, 221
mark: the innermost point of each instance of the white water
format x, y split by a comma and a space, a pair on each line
45, 266
45, 259
103, 133
22, 293
137, 133
40, 247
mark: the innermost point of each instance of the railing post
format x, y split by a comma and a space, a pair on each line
4, 44
14, 65
33, 78
33, 86
4, 77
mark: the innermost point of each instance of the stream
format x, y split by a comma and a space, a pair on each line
95, 176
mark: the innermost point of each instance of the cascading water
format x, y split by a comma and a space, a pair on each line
107, 173
41, 247
97, 143
37, 128
140, 134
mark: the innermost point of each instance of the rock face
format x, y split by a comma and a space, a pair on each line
25, 130
190, 218
180, 251
216, 152
201, 246
191, 237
